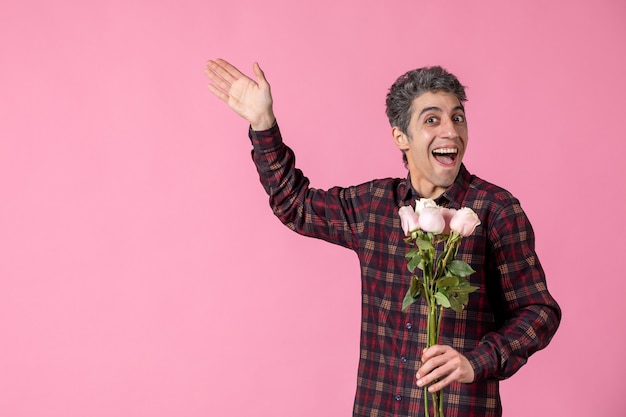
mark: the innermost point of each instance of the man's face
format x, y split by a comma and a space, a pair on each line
435, 142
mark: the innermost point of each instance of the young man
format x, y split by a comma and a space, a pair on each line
509, 318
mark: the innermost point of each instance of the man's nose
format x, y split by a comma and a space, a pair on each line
448, 128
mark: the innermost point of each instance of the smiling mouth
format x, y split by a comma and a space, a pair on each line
446, 156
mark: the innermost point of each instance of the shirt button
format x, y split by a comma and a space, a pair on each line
409, 326
403, 359
398, 397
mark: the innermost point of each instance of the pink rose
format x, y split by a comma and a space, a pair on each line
408, 219
431, 220
447, 213
464, 222
424, 202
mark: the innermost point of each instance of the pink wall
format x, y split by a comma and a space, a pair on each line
138, 272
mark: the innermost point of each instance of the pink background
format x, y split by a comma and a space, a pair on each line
141, 270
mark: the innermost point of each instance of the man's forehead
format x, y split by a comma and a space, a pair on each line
439, 101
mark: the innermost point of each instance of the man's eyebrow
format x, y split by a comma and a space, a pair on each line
437, 109
427, 109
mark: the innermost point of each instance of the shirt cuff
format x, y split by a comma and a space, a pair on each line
265, 140
482, 362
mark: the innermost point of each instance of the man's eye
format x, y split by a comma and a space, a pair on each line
459, 118
431, 120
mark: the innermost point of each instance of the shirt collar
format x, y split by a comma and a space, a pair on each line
452, 197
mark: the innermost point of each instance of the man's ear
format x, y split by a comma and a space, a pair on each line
400, 138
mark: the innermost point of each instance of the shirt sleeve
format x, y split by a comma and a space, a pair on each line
528, 316
335, 215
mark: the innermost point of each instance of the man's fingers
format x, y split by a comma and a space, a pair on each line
219, 75
217, 81
443, 365
433, 351
441, 384
433, 370
218, 93
213, 72
432, 358
258, 72
227, 71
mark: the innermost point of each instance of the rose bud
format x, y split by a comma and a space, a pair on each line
409, 220
464, 222
431, 220
422, 203
447, 214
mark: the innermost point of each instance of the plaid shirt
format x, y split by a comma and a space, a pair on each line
508, 319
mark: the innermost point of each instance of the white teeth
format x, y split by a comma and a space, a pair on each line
446, 151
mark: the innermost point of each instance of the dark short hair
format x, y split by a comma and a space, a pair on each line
413, 84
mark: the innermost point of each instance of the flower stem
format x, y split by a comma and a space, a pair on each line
436, 401
441, 404
439, 320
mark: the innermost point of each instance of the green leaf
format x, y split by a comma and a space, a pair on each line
456, 305
412, 253
408, 300
416, 286
460, 268
425, 244
442, 300
414, 262
462, 298
464, 286
447, 281
464, 289
413, 294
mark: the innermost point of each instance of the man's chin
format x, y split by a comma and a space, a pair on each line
447, 178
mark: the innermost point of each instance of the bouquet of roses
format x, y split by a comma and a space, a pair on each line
435, 233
